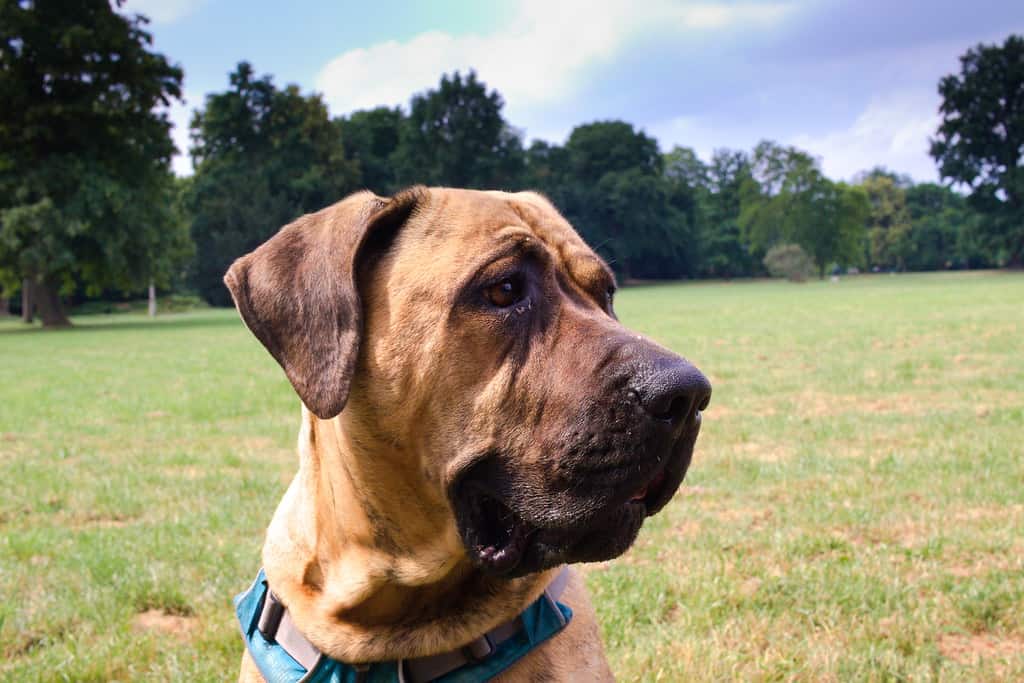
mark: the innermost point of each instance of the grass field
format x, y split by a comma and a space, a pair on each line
855, 510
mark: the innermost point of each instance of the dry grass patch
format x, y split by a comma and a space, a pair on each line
817, 404
763, 452
977, 648
158, 621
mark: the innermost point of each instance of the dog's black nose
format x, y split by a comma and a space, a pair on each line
674, 390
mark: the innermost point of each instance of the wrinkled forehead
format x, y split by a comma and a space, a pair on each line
457, 229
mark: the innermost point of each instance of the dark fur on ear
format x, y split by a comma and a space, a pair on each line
297, 292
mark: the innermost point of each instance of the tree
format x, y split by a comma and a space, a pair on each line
84, 150
456, 135
980, 140
547, 169
688, 186
776, 197
726, 254
263, 157
595, 149
633, 218
713, 208
836, 235
888, 224
610, 183
371, 138
943, 230
788, 199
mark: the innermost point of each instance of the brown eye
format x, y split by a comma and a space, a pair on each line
505, 293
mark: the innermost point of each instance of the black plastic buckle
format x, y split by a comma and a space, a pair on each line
480, 649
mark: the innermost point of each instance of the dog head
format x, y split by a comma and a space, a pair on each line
472, 337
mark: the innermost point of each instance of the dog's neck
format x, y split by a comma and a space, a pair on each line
369, 565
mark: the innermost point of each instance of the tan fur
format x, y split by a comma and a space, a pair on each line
363, 547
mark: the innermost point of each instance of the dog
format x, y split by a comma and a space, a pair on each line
474, 419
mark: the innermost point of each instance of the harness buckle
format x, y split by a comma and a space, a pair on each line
479, 649
270, 617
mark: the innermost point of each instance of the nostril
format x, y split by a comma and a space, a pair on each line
675, 393
672, 410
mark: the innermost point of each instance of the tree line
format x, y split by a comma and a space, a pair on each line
89, 207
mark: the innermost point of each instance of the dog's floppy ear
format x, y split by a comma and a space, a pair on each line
297, 292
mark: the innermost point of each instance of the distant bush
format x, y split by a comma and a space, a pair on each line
172, 303
789, 261
180, 303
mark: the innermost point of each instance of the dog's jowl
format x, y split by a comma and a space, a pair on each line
474, 419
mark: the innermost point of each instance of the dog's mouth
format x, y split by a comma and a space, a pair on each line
501, 541
502, 536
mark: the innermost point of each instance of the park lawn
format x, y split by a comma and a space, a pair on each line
855, 510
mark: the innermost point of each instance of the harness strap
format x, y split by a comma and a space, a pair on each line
276, 625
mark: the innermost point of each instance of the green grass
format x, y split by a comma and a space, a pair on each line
855, 510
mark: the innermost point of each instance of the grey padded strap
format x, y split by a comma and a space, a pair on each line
423, 669
418, 670
557, 587
294, 643
276, 625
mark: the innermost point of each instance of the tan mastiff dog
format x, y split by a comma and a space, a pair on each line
475, 418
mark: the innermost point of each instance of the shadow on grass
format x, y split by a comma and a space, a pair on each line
130, 322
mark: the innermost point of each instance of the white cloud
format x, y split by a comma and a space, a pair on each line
162, 11
542, 56
892, 130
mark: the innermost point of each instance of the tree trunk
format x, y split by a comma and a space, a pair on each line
51, 308
27, 302
5, 306
152, 299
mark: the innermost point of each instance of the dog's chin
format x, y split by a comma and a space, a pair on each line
503, 539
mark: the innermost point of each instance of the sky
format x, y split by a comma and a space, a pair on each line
852, 82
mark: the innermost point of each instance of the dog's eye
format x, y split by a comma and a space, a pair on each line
505, 293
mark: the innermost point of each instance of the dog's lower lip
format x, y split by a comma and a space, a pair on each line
507, 536
652, 489
506, 556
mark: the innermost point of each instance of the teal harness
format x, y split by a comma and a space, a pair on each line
501, 648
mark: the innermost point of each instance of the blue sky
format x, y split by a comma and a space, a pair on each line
852, 82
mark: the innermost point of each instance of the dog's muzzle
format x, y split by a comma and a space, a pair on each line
621, 463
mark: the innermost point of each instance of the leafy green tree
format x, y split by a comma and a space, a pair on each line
263, 157
788, 199
684, 167
595, 149
609, 182
633, 217
84, 152
888, 224
713, 248
547, 168
371, 138
688, 187
456, 135
836, 235
776, 198
980, 140
723, 252
943, 231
